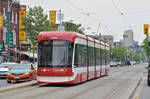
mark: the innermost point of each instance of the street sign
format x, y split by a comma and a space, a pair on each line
9, 39
146, 29
1, 46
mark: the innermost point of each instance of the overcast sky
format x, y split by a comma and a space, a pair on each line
115, 16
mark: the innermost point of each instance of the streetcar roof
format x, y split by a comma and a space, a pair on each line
65, 35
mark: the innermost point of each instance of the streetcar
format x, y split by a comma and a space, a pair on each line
70, 58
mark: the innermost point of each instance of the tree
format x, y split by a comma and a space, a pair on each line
137, 57
74, 27
119, 53
35, 22
145, 46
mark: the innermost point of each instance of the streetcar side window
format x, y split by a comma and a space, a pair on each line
91, 55
97, 56
80, 58
107, 57
102, 56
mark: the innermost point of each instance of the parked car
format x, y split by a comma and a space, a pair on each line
21, 72
148, 76
4, 68
113, 64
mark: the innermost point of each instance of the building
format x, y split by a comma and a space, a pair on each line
128, 38
107, 38
117, 44
14, 22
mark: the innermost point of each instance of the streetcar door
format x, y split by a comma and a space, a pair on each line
95, 59
101, 59
87, 58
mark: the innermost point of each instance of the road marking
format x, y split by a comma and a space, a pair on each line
139, 90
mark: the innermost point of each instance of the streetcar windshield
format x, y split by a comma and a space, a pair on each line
55, 53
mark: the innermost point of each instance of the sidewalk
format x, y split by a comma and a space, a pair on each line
17, 86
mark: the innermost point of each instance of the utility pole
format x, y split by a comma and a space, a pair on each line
60, 18
8, 13
98, 28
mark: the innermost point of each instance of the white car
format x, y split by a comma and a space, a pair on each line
113, 64
4, 68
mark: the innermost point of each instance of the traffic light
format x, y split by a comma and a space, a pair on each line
146, 29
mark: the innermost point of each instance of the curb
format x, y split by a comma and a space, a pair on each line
18, 86
134, 91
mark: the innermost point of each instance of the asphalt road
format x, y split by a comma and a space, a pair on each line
118, 85
3, 82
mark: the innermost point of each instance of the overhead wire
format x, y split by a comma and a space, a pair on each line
120, 13
88, 14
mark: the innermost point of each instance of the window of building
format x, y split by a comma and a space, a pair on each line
4, 12
12, 20
16, 18
105, 39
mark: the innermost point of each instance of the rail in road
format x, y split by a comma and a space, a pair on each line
118, 85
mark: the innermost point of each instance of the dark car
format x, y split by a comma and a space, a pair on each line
148, 76
113, 64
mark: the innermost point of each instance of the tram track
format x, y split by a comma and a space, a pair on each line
91, 88
116, 91
36, 91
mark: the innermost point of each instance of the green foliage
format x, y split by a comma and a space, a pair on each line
74, 27
35, 22
145, 46
119, 53
137, 57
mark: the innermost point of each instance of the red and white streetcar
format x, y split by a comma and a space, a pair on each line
70, 58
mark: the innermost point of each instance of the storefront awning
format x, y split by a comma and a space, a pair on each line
31, 54
18, 51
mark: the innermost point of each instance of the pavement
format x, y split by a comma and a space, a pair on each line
17, 86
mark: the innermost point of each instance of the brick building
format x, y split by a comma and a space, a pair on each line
14, 21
